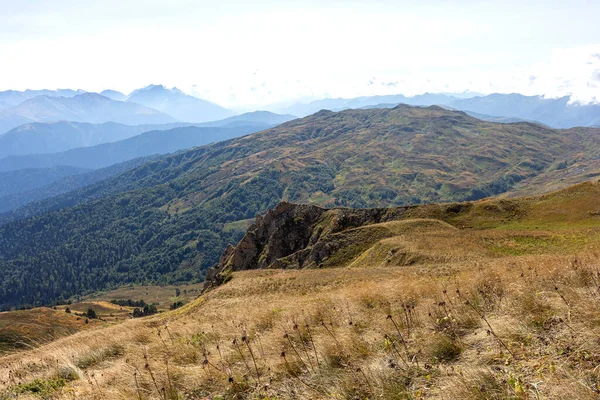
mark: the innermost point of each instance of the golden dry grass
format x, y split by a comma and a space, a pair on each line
543, 342
25, 329
29, 328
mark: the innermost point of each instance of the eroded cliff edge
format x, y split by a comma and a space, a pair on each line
298, 236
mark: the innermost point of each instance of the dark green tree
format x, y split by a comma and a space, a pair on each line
91, 314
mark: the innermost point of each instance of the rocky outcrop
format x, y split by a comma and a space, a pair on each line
295, 236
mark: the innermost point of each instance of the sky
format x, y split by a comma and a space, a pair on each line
247, 54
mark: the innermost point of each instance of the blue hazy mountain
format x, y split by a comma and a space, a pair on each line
11, 98
181, 106
557, 113
148, 143
252, 118
54, 185
53, 137
27, 179
114, 95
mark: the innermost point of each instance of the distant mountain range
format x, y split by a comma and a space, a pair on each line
86, 107
556, 113
154, 104
53, 137
170, 105
13, 97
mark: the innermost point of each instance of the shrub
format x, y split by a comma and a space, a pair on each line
176, 305
443, 348
149, 309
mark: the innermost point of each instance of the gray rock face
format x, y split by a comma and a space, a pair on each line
295, 236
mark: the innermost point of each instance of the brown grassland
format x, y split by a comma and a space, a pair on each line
497, 300
162, 296
29, 328
26, 329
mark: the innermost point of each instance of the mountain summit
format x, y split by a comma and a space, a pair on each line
113, 94
178, 104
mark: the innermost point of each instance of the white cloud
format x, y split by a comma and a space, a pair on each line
566, 72
571, 72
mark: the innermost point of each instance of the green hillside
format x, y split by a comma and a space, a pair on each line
169, 220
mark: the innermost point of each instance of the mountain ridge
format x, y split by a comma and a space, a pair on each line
28, 179
13, 97
28, 202
53, 137
557, 113
145, 144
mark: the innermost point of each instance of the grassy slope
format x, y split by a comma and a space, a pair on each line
25, 329
383, 157
469, 317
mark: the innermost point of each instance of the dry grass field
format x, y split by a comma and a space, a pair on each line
498, 300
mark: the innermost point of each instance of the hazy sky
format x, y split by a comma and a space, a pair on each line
250, 53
